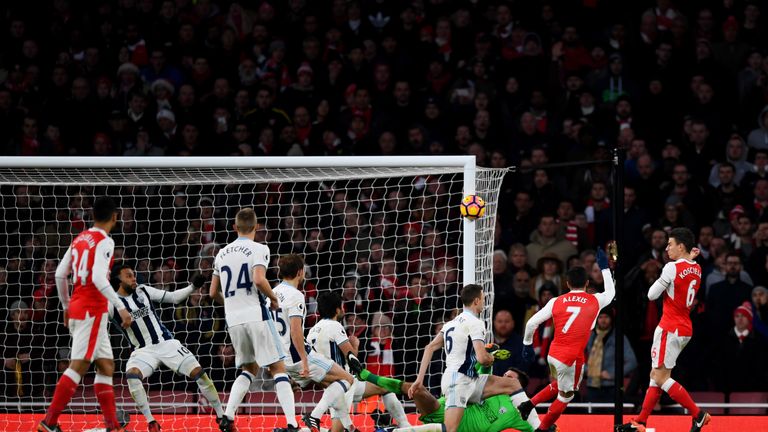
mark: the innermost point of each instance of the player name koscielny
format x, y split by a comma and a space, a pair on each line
689, 270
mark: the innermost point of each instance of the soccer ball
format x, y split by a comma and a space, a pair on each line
472, 207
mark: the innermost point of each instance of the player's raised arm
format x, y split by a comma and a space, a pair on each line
606, 297
436, 344
175, 297
663, 282
536, 320
62, 282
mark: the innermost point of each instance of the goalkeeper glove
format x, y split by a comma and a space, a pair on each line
497, 353
602, 259
354, 364
198, 281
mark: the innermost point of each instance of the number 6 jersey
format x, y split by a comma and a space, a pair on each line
679, 282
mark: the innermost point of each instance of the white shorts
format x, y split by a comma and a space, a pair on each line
90, 338
666, 347
256, 342
318, 368
460, 390
352, 396
170, 353
568, 375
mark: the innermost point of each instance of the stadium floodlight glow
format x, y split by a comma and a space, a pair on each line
346, 215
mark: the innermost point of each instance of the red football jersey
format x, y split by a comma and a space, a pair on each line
86, 297
682, 279
574, 315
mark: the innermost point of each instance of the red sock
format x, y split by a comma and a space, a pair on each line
652, 397
65, 389
546, 394
681, 396
555, 410
106, 396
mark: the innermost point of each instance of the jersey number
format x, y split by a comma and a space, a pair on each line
278, 319
80, 266
691, 294
449, 340
574, 311
183, 351
243, 280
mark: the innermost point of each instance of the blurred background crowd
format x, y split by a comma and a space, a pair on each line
682, 86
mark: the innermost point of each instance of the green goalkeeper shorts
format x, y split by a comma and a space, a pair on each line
494, 414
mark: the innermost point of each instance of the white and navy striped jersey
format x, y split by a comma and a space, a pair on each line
147, 329
291, 305
326, 337
234, 264
458, 335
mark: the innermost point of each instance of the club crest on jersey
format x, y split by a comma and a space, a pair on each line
502, 410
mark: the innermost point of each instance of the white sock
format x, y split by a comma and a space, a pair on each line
331, 396
285, 396
139, 395
533, 417
237, 392
395, 409
208, 389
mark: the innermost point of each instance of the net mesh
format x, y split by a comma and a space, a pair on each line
388, 239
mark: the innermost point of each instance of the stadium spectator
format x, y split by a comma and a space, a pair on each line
740, 355
724, 297
548, 239
601, 363
506, 338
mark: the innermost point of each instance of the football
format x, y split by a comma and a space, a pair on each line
472, 207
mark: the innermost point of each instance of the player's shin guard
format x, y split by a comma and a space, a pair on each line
208, 390
286, 398
105, 394
65, 389
333, 393
139, 395
518, 398
546, 394
652, 396
555, 410
395, 409
429, 427
391, 385
237, 392
680, 395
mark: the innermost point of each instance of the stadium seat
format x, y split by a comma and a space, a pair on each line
710, 397
748, 397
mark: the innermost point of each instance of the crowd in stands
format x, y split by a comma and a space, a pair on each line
682, 86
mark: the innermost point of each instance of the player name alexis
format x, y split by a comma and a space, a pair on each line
577, 299
688, 270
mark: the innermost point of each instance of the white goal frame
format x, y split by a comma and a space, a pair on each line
465, 162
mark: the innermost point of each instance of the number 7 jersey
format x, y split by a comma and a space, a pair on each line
680, 281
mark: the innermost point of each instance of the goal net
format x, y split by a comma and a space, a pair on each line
386, 234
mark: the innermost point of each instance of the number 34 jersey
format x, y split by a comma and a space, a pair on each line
681, 280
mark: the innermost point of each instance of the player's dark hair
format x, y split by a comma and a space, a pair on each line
469, 293
288, 266
685, 237
103, 209
577, 277
327, 304
521, 376
115, 278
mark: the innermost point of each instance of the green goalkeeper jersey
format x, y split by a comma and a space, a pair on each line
494, 414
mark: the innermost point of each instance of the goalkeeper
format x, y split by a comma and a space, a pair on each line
494, 414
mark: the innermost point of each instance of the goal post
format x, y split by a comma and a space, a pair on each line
385, 232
